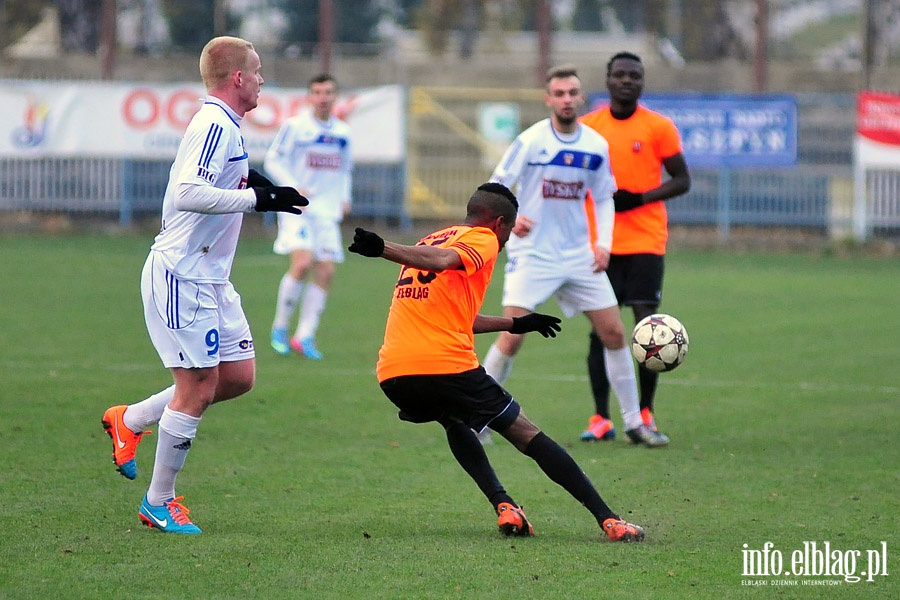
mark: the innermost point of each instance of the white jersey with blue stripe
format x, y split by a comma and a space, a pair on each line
551, 173
314, 157
200, 246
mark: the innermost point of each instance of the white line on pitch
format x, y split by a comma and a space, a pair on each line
859, 388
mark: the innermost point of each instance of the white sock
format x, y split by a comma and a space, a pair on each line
620, 372
176, 432
497, 364
313, 305
141, 415
289, 291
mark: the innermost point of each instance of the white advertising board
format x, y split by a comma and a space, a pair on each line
68, 119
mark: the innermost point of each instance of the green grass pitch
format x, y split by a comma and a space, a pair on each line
783, 419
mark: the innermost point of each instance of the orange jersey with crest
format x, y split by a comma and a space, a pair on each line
430, 324
637, 147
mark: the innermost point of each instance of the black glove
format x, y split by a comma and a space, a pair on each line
257, 179
625, 200
278, 198
546, 325
367, 243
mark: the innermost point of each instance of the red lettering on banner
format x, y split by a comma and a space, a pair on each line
296, 105
181, 106
137, 103
266, 115
143, 107
147, 108
343, 107
878, 117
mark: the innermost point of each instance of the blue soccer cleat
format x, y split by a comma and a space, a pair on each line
306, 347
280, 341
171, 517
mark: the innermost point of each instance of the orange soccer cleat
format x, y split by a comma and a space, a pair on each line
599, 429
647, 418
125, 441
618, 530
511, 521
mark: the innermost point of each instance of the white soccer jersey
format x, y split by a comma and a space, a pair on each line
554, 172
194, 245
314, 157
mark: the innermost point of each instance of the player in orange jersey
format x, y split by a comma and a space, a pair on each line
428, 368
641, 144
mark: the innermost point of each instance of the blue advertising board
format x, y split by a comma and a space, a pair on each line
729, 130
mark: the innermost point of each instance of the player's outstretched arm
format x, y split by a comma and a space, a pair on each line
427, 258
546, 325
207, 199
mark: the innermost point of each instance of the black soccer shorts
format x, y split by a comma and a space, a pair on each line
472, 397
636, 278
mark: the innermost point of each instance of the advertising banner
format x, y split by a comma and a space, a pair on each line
878, 129
729, 130
876, 163
77, 119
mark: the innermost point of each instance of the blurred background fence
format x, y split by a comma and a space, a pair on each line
457, 61
448, 154
124, 190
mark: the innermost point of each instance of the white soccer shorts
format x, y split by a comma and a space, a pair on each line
193, 325
531, 281
307, 232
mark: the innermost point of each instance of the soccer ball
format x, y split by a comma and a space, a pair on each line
659, 342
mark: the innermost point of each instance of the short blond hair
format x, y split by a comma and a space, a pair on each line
561, 72
221, 57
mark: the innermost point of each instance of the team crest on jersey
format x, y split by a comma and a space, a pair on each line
330, 140
636, 146
568, 158
585, 161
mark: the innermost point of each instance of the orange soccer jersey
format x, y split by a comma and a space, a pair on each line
637, 147
429, 326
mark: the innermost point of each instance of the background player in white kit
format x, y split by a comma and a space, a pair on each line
561, 240
312, 154
192, 310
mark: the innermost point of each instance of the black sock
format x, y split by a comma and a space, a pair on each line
647, 380
562, 468
470, 455
597, 374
